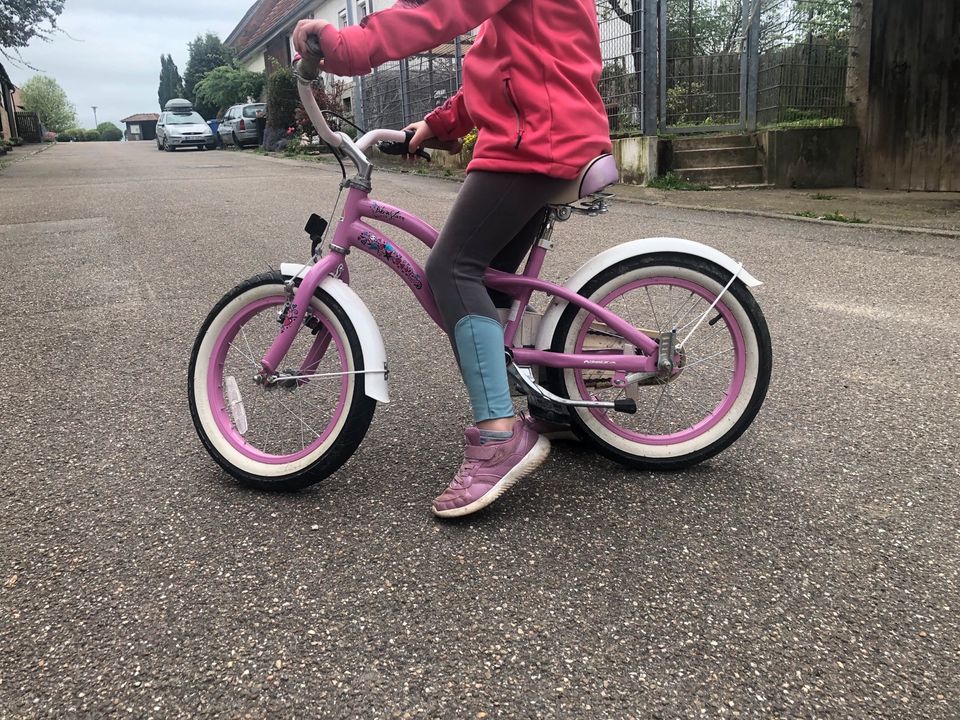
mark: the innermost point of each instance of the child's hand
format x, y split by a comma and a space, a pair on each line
306, 34
421, 133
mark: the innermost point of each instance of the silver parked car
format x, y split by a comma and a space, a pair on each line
183, 129
239, 124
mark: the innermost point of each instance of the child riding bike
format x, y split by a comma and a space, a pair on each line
530, 88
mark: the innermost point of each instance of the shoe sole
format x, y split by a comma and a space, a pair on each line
567, 435
528, 463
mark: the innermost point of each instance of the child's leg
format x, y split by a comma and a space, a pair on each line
490, 212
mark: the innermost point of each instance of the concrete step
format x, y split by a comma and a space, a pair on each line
704, 142
735, 176
714, 157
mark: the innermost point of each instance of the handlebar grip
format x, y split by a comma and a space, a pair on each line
310, 63
402, 148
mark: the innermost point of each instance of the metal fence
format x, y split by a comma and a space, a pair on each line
398, 93
670, 66
804, 46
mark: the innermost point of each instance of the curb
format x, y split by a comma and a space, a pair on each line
21, 156
680, 206
782, 216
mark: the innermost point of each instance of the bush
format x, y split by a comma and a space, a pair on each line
72, 135
104, 126
91, 135
282, 99
111, 134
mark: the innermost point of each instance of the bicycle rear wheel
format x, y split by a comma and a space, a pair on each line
288, 434
721, 374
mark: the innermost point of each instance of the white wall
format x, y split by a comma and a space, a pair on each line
257, 62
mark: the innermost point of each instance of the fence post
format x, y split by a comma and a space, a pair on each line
753, 64
405, 91
662, 21
649, 76
357, 81
458, 52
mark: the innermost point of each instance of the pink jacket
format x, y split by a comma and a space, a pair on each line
529, 82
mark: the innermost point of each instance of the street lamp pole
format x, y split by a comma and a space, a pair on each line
95, 123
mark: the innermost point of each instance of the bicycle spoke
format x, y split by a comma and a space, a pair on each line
246, 355
689, 305
303, 442
296, 417
654, 310
709, 357
249, 349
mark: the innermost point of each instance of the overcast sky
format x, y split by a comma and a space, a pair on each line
109, 54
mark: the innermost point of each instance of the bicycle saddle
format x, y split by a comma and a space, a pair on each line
598, 174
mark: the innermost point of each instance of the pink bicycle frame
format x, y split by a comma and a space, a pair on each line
353, 232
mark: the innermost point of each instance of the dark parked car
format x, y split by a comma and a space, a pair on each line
239, 124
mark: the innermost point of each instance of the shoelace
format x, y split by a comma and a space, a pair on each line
467, 469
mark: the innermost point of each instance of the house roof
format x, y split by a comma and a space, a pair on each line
263, 18
141, 117
4, 78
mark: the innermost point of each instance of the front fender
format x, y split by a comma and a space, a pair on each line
645, 246
376, 385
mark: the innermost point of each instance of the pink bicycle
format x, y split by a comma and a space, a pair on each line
655, 350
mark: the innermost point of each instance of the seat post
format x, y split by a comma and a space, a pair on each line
544, 238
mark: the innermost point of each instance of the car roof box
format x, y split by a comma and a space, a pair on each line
178, 105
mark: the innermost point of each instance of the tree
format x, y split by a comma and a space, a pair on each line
109, 131
23, 20
228, 84
171, 85
206, 53
42, 95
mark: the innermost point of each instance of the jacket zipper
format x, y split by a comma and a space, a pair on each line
516, 111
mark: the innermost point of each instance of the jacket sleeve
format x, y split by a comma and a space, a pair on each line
401, 31
451, 121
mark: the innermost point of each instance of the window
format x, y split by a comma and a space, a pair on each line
361, 10
342, 19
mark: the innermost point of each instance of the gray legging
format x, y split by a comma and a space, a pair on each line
493, 223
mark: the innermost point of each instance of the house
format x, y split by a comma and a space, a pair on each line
141, 127
8, 107
262, 38
395, 93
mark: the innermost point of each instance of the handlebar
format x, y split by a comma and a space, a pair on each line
306, 69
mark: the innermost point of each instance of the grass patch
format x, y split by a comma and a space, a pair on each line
823, 196
672, 181
834, 217
805, 123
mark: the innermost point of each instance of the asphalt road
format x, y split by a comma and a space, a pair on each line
809, 571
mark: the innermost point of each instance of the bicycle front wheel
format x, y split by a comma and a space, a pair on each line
287, 434
720, 375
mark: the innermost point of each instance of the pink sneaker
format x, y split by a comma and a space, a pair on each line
490, 470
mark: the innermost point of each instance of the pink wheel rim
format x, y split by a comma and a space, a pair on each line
215, 397
731, 393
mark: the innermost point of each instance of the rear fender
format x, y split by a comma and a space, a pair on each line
645, 246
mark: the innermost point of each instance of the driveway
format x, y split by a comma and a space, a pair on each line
808, 571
